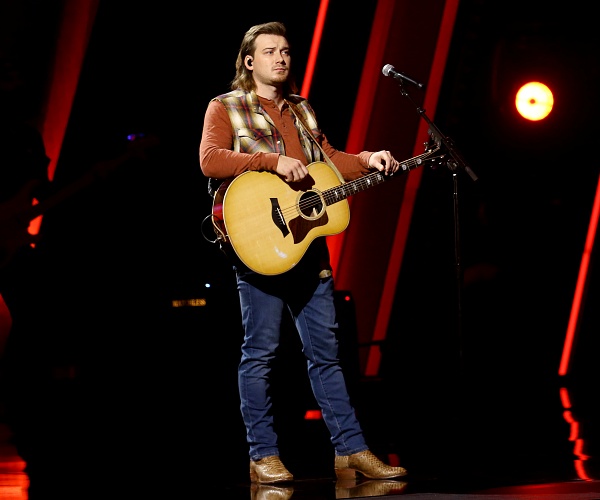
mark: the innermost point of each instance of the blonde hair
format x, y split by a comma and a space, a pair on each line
243, 76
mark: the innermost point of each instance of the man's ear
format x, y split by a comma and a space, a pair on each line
249, 62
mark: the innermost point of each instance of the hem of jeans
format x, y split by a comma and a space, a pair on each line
351, 452
256, 458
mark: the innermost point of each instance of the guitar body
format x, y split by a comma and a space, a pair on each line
271, 223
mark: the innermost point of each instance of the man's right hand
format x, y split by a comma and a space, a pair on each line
290, 169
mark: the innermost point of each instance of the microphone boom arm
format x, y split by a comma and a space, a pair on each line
456, 160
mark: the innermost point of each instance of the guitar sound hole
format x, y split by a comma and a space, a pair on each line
311, 205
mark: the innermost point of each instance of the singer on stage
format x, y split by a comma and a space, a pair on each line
263, 125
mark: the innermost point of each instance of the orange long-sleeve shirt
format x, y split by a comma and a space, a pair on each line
219, 161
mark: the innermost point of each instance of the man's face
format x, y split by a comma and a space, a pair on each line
271, 62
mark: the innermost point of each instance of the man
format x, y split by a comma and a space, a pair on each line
262, 125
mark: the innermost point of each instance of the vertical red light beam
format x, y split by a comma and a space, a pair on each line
314, 49
364, 103
580, 286
413, 182
77, 23
75, 30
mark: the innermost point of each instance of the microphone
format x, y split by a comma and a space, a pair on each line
388, 70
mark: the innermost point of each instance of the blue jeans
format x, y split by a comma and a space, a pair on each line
311, 304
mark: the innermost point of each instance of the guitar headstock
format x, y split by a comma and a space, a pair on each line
434, 155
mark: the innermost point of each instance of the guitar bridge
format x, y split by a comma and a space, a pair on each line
277, 217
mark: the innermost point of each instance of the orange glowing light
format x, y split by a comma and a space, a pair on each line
534, 101
313, 415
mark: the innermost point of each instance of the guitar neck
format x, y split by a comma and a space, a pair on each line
343, 191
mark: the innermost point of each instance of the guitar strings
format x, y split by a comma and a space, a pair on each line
331, 195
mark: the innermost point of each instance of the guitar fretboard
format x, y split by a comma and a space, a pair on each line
341, 192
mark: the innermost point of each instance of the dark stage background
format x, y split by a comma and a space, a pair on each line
117, 254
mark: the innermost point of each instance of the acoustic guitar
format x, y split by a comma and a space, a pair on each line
270, 223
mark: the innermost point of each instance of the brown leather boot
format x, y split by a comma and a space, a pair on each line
367, 464
269, 470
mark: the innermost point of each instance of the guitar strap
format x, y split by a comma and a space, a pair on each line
300, 118
326, 271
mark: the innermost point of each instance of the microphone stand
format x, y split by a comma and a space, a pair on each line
455, 162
